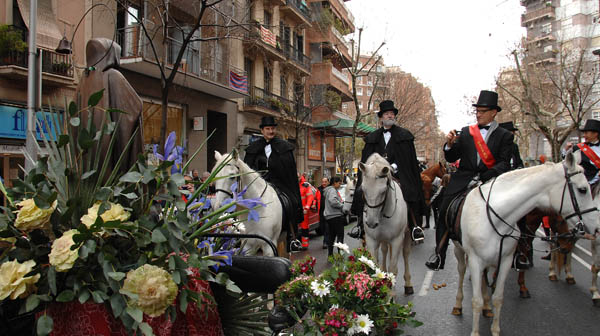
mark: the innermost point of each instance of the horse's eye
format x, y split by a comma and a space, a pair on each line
351, 195
582, 190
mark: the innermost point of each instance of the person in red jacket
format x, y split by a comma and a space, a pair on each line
307, 196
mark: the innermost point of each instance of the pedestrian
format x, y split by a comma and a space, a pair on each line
320, 197
484, 150
189, 186
396, 145
195, 175
515, 161
211, 187
307, 196
333, 213
274, 157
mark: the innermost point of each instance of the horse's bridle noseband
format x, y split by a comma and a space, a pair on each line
579, 229
382, 203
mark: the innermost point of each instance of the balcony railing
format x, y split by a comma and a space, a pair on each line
343, 77
195, 61
301, 7
261, 97
538, 14
296, 56
52, 62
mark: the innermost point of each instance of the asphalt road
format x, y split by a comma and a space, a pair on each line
555, 308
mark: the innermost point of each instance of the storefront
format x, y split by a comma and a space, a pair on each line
319, 167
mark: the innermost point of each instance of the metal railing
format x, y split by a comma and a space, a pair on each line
300, 6
52, 62
296, 56
340, 75
261, 97
548, 11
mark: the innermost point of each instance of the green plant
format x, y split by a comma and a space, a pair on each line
333, 100
77, 230
352, 297
11, 40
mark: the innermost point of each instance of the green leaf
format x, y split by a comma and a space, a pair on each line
85, 139
75, 121
98, 296
52, 279
117, 276
117, 303
88, 174
44, 325
158, 236
84, 296
65, 296
114, 110
176, 277
63, 140
32, 302
132, 177
103, 194
130, 195
146, 329
183, 301
136, 313
95, 98
178, 179
232, 287
72, 109
131, 295
148, 175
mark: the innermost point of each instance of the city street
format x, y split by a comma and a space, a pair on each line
555, 308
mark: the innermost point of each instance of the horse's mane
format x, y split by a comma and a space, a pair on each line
519, 174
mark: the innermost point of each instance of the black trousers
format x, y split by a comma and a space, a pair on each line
336, 232
441, 237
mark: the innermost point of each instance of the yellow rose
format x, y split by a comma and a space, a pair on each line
154, 286
116, 212
61, 256
30, 217
13, 281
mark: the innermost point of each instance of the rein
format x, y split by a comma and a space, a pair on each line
382, 203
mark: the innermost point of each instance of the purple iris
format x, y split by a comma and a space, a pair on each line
224, 257
171, 153
249, 203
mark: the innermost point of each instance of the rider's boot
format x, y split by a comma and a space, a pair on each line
436, 263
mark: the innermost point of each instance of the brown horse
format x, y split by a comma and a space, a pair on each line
427, 176
528, 226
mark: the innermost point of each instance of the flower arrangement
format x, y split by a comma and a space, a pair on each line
78, 231
353, 297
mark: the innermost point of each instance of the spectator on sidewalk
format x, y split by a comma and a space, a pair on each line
333, 213
320, 197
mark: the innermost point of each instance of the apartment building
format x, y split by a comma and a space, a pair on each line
328, 86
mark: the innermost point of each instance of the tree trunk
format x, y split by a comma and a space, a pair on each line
556, 153
163, 119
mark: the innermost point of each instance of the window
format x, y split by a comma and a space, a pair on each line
359, 91
379, 68
369, 82
267, 75
359, 65
546, 28
370, 106
268, 20
360, 105
369, 92
596, 114
284, 90
344, 106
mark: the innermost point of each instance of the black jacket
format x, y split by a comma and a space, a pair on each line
500, 143
515, 161
280, 171
589, 169
401, 151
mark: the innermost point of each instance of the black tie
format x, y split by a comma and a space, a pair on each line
592, 144
386, 131
483, 127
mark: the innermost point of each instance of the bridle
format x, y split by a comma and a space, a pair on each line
579, 228
382, 203
238, 179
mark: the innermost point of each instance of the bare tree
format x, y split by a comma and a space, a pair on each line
555, 97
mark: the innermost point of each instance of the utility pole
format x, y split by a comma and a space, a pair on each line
33, 89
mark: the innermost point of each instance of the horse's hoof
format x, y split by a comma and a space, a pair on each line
408, 290
457, 311
571, 281
553, 278
524, 294
596, 302
487, 313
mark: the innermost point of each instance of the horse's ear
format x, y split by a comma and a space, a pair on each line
361, 166
577, 156
235, 154
570, 160
217, 155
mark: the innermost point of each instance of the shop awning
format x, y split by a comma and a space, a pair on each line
344, 126
48, 34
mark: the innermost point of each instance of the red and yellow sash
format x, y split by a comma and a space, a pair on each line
484, 152
590, 154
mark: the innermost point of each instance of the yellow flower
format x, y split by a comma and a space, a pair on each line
155, 288
61, 256
30, 217
116, 212
13, 281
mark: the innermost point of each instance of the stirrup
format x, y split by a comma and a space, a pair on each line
295, 246
354, 232
518, 263
436, 259
417, 231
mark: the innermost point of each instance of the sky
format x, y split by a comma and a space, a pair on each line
456, 48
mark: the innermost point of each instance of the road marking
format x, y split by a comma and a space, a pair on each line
586, 265
584, 250
426, 283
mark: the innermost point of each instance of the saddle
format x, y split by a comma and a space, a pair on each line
453, 215
287, 215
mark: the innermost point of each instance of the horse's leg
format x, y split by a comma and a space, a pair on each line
373, 248
595, 269
384, 254
485, 293
477, 301
523, 291
552, 267
499, 294
459, 253
406, 248
569, 275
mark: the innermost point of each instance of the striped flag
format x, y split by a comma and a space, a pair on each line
268, 36
238, 82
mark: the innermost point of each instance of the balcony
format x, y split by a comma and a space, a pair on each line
202, 71
542, 38
340, 7
539, 14
260, 37
263, 102
297, 10
297, 58
327, 74
57, 69
542, 57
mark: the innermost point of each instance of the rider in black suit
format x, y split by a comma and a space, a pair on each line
462, 146
515, 161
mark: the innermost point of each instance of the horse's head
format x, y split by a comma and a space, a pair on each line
573, 197
376, 181
441, 171
348, 196
226, 177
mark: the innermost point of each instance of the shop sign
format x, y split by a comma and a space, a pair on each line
13, 123
315, 146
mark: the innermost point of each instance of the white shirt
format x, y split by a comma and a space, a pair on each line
268, 152
387, 136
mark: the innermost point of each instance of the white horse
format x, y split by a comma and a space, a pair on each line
561, 187
269, 224
595, 247
385, 216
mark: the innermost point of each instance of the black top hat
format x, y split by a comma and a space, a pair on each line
488, 99
508, 126
267, 121
386, 105
592, 125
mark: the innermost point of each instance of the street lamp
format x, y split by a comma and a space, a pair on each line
34, 78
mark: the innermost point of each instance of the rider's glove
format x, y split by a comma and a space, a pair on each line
394, 168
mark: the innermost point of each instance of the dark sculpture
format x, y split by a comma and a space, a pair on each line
102, 59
